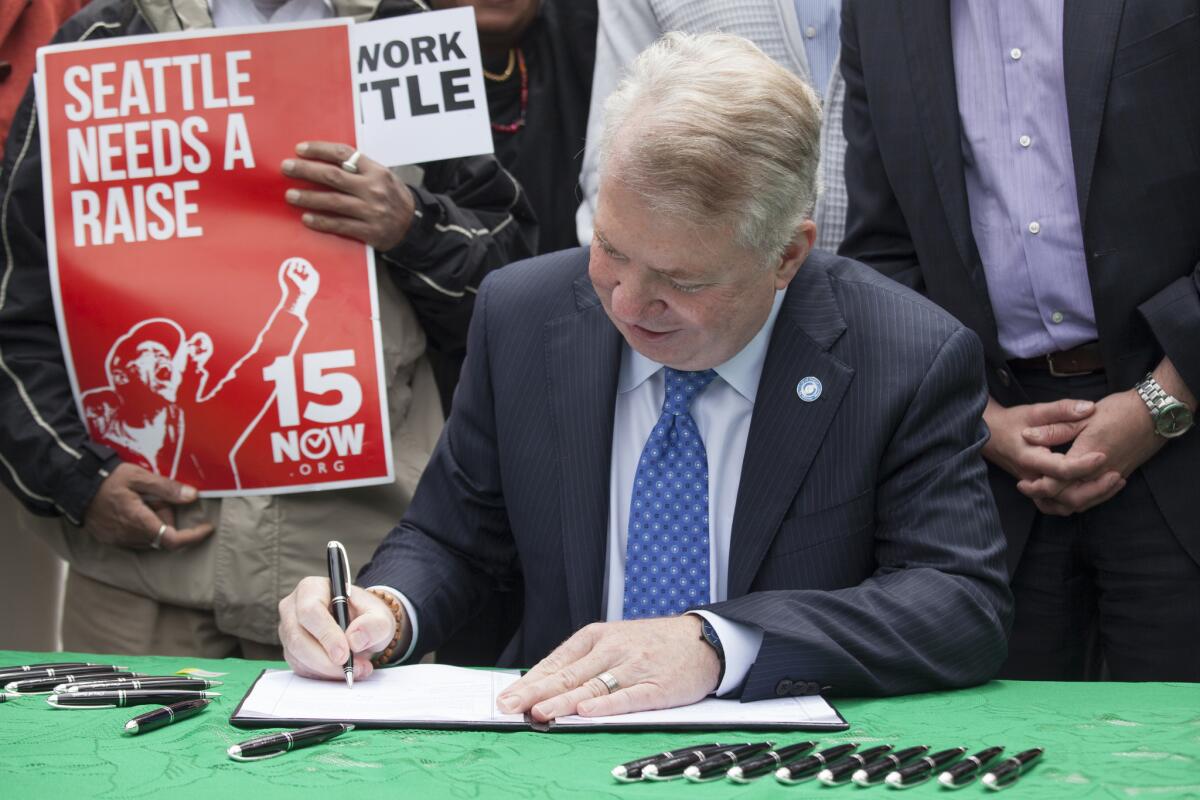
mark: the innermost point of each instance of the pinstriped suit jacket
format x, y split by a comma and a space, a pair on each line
865, 541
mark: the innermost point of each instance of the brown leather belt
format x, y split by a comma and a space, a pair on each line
1081, 360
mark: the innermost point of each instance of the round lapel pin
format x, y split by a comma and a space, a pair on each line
809, 389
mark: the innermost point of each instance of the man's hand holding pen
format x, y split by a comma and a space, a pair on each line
316, 647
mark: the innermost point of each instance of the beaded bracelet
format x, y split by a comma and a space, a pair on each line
385, 656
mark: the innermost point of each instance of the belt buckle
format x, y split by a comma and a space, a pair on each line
1059, 374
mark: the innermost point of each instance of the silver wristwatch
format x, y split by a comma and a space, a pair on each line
1171, 418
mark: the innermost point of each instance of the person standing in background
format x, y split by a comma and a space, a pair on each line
152, 569
800, 35
537, 60
1033, 166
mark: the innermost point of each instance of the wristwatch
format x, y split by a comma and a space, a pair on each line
709, 634
1171, 418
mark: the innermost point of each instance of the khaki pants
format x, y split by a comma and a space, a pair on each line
98, 618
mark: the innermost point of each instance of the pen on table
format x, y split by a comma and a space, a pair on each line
964, 771
923, 769
751, 768
160, 717
805, 768
339, 576
842, 770
674, 766
62, 674
632, 770
276, 744
45, 685
715, 766
148, 682
26, 670
888, 763
132, 697
1005, 773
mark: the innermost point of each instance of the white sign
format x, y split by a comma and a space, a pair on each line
420, 87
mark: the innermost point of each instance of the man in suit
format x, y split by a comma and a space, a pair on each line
757, 463
1034, 168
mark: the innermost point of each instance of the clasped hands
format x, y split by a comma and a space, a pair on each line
1108, 440
658, 663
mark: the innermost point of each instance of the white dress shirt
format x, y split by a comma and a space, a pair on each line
722, 413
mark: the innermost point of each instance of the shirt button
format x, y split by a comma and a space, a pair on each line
1025, 141
1015, 53
1057, 317
810, 32
1035, 227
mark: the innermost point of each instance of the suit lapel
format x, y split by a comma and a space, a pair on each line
1090, 30
929, 50
583, 353
786, 432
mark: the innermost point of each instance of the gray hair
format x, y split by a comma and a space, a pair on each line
708, 128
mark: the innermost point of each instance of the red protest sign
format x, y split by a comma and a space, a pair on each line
209, 335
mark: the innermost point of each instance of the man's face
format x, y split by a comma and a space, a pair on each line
157, 368
684, 296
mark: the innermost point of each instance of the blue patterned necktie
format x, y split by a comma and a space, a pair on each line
666, 555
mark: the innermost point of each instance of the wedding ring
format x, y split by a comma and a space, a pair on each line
351, 163
157, 543
611, 683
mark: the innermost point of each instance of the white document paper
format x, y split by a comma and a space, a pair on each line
420, 692
435, 693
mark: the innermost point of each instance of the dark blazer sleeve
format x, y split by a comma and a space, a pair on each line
454, 545
936, 611
876, 231
1173, 315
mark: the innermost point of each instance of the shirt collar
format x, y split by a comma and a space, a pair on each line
742, 371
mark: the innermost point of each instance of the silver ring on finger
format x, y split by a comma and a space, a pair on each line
351, 163
610, 682
158, 537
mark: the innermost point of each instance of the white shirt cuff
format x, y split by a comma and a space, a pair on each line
412, 620
741, 643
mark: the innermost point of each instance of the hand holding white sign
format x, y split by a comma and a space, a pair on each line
371, 205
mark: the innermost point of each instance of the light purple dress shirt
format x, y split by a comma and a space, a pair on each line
1008, 64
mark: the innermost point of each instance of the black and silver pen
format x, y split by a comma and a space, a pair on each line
674, 766
339, 579
45, 685
149, 682
161, 717
118, 699
715, 766
842, 770
1005, 773
29, 670
276, 744
965, 771
751, 768
807, 767
923, 769
890, 762
631, 771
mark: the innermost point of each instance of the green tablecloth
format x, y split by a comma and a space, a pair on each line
1119, 740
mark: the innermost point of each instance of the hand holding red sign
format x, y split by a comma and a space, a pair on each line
133, 503
372, 205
